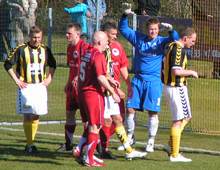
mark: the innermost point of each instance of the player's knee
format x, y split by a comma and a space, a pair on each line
130, 111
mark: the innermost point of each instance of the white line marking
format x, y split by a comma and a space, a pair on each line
114, 140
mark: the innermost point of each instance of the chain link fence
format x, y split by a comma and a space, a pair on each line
204, 93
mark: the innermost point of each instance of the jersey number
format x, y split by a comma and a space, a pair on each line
82, 71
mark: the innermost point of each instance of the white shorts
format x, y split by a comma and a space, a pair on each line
33, 99
178, 102
111, 107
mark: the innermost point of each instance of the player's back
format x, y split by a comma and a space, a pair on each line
93, 64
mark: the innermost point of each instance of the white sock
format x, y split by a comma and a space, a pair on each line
130, 126
152, 128
81, 142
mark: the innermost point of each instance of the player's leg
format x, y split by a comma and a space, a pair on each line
94, 108
122, 136
130, 123
152, 103
111, 108
70, 125
30, 126
153, 123
92, 139
176, 98
104, 136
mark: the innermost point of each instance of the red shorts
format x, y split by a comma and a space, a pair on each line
92, 107
71, 100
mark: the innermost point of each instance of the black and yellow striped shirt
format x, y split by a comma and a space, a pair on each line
31, 62
174, 58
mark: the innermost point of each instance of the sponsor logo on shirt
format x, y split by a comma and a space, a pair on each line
75, 54
115, 52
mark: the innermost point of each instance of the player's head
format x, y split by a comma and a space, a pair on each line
188, 37
73, 33
110, 28
79, 1
152, 25
100, 40
35, 36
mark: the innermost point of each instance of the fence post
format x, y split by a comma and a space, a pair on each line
97, 15
50, 19
133, 48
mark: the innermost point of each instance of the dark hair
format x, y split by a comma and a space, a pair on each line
187, 32
111, 24
152, 21
35, 29
75, 25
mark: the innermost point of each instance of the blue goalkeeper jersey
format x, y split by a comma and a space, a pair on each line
148, 52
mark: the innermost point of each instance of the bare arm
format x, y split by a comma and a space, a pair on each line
18, 82
125, 76
48, 80
185, 73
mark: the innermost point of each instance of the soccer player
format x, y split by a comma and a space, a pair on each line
75, 50
146, 83
117, 63
31, 59
175, 90
90, 88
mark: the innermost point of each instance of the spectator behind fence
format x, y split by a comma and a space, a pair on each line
31, 59
25, 19
148, 7
78, 13
8, 9
91, 16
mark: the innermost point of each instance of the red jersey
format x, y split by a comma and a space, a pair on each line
93, 64
119, 59
74, 54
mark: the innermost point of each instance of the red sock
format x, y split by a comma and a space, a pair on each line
91, 146
112, 129
69, 131
104, 136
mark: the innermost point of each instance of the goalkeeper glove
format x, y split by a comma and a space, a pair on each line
166, 27
126, 9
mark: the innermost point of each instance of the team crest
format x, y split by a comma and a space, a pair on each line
115, 51
154, 46
75, 54
42, 57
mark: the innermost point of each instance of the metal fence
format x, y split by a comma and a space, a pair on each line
205, 108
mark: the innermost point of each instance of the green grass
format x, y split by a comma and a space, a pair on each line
13, 156
204, 95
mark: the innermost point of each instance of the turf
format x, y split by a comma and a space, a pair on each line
13, 156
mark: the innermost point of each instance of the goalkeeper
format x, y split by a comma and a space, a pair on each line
146, 84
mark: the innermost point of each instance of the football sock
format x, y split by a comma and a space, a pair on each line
83, 139
91, 146
130, 125
35, 125
104, 136
184, 123
175, 134
69, 131
30, 130
152, 128
121, 134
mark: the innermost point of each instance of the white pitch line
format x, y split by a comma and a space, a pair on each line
114, 140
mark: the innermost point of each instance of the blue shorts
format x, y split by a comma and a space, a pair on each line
147, 95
